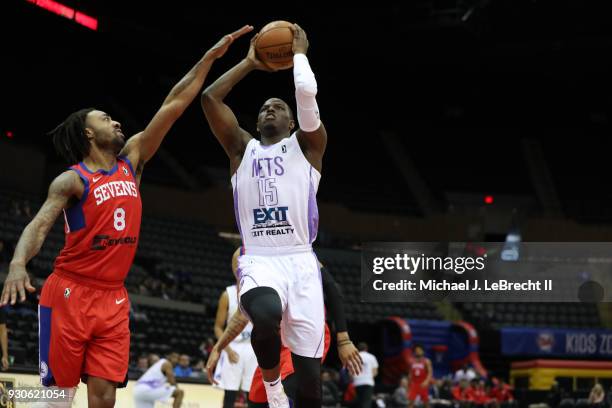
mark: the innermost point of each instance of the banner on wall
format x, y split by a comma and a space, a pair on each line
556, 342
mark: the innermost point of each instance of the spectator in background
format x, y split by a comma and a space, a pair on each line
4, 340
330, 392
597, 396
364, 382
465, 373
502, 393
478, 394
442, 393
199, 369
206, 347
142, 364
183, 369
460, 394
153, 358
400, 395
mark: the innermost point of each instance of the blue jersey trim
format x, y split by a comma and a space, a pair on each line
75, 216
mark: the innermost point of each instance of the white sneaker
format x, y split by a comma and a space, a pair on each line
279, 400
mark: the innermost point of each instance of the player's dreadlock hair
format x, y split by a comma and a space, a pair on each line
69, 137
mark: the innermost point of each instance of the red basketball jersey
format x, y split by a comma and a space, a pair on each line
418, 371
102, 229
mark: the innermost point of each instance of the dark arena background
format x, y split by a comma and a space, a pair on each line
464, 120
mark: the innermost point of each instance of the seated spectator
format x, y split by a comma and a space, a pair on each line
597, 396
183, 369
502, 393
142, 364
153, 358
206, 347
400, 395
460, 393
330, 396
442, 393
478, 395
199, 369
465, 373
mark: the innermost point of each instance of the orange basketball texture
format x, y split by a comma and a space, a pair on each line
274, 45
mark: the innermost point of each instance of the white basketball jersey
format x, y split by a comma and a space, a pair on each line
154, 375
275, 203
232, 294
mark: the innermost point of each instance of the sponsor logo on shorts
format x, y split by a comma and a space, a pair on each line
119, 301
67, 293
101, 242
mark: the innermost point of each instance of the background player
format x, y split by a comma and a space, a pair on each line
275, 181
158, 383
364, 381
419, 377
83, 311
237, 363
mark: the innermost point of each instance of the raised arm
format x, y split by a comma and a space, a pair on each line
312, 134
141, 147
66, 186
221, 119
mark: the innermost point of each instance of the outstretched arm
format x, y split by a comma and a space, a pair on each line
220, 117
61, 190
143, 146
312, 134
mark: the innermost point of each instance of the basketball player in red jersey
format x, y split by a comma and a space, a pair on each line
84, 307
419, 377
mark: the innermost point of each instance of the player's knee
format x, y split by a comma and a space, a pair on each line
264, 307
179, 393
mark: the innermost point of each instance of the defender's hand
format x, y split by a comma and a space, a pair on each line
221, 47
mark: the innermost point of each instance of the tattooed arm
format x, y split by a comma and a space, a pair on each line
141, 147
235, 326
66, 186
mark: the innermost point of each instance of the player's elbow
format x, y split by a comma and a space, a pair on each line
208, 97
306, 88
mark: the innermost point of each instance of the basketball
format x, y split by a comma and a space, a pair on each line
274, 45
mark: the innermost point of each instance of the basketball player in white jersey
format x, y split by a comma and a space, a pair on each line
158, 384
275, 180
237, 363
